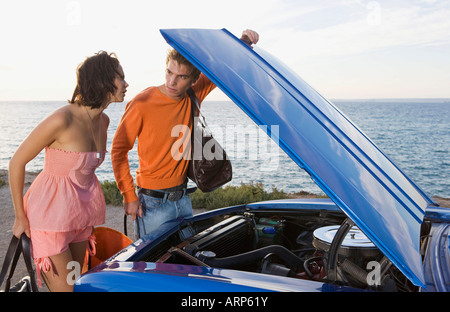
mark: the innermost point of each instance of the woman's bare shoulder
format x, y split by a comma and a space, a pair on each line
105, 118
63, 116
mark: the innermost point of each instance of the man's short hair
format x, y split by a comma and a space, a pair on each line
180, 59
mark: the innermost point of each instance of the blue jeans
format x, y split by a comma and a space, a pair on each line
157, 211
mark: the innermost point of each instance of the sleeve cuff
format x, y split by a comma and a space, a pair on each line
129, 196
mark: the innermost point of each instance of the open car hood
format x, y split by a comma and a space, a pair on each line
341, 159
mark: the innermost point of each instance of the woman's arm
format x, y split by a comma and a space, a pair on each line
43, 135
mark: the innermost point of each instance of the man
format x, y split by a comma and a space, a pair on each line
153, 117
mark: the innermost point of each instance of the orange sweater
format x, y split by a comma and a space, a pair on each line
157, 122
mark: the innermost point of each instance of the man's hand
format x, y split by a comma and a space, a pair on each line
133, 208
250, 37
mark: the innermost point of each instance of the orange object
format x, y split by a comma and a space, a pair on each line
107, 243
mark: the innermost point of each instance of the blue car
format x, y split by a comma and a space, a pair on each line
378, 231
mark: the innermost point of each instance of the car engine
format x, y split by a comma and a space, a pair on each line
319, 246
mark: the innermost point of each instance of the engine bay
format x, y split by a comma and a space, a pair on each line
321, 246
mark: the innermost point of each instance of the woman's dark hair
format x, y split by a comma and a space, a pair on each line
95, 80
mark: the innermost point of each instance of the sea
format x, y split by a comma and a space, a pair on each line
413, 133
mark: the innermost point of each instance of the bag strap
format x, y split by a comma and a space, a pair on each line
11, 254
125, 226
26, 250
196, 107
16, 247
194, 101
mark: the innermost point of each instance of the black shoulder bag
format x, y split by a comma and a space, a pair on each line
16, 247
209, 166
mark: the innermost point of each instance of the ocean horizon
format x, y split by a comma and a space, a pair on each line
413, 133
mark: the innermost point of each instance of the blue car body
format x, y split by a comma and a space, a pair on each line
370, 197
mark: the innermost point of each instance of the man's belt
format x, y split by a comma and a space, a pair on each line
172, 196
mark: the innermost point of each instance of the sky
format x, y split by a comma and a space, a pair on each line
345, 49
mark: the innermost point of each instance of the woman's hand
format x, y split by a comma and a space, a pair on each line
21, 225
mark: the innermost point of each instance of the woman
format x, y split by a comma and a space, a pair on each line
65, 200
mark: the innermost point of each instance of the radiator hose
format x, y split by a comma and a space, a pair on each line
250, 257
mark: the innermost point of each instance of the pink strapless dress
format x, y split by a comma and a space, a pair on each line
66, 195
